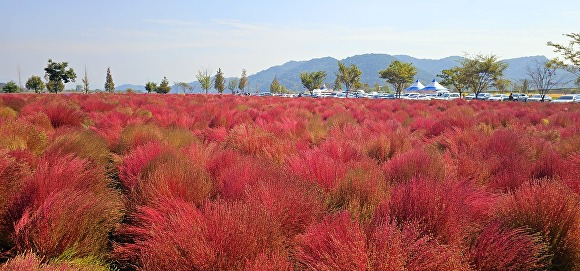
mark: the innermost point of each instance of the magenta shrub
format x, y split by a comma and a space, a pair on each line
225, 182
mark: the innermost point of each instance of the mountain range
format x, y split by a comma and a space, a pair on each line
369, 64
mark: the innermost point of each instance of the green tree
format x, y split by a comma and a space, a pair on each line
164, 87
151, 87
219, 81
233, 84
543, 76
570, 53
185, 87
312, 80
349, 76
337, 84
109, 85
57, 75
10, 87
275, 86
503, 85
454, 78
35, 83
86, 82
243, 81
482, 72
399, 74
204, 78
525, 87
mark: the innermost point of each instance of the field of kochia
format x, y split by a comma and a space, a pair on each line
209, 182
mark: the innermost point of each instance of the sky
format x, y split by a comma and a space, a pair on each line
146, 40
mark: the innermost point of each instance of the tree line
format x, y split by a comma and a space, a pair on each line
472, 74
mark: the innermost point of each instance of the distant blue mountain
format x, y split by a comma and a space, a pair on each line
288, 74
138, 88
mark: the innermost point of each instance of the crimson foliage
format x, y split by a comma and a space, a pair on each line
202, 182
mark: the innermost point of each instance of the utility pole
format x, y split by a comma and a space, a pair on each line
19, 79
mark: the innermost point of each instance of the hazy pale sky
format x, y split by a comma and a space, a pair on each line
145, 40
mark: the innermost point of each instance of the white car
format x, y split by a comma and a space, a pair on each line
538, 98
410, 96
470, 96
449, 96
423, 97
567, 99
520, 97
499, 97
483, 96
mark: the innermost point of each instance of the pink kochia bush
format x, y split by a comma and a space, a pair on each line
221, 236
224, 182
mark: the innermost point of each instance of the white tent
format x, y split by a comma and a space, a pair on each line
415, 86
434, 86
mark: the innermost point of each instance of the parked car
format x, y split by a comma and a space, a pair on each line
483, 96
449, 96
423, 97
386, 96
470, 96
538, 98
499, 97
402, 95
410, 96
520, 97
567, 99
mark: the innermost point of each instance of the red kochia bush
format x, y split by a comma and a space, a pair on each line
172, 175
77, 221
237, 177
175, 235
316, 166
500, 248
65, 205
31, 262
295, 204
60, 111
441, 209
135, 161
550, 210
417, 163
405, 247
337, 243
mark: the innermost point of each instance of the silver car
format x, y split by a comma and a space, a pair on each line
520, 97
499, 97
538, 98
567, 99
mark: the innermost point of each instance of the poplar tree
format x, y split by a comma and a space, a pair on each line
219, 81
86, 82
243, 81
204, 79
275, 86
233, 84
109, 85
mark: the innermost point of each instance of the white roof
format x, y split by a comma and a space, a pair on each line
415, 86
434, 86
